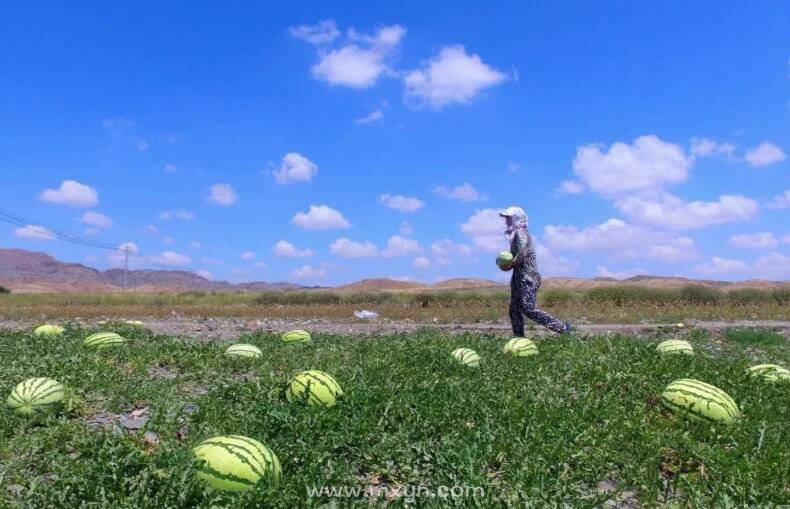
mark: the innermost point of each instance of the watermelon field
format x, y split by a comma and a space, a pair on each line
579, 424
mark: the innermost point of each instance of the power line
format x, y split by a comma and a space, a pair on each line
22, 221
16, 219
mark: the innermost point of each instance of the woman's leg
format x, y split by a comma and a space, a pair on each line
528, 302
516, 316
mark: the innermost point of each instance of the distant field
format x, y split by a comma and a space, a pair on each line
576, 425
625, 304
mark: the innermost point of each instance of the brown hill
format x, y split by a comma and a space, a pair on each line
466, 283
574, 283
380, 284
32, 272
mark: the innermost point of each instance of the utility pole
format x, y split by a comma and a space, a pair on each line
125, 265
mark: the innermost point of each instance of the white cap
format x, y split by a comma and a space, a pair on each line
512, 211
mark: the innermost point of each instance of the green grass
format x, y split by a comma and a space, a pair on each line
755, 337
533, 431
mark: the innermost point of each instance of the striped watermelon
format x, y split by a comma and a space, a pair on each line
770, 372
244, 350
235, 463
36, 395
296, 336
520, 347
504, 258
467, 357
314, 387
675, 346
48, 330
699, 401
104, 340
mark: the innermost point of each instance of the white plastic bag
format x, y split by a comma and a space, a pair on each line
366, 315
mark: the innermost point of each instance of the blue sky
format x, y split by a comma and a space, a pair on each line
324, 143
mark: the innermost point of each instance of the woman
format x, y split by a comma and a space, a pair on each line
525, 281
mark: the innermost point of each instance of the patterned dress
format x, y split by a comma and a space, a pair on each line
524, 285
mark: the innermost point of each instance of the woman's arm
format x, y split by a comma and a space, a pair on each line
519, 248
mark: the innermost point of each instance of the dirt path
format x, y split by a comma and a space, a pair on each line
208, 329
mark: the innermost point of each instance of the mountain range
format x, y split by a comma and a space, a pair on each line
24, 271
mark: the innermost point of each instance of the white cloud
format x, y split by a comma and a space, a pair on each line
247, 255
401, 203
705, 147
486, 229
451, 77
679, 248
141, 145
239, 272
649, 163
71, 193
406, 229
602, 271
348, 248
308, 272
204, 274
295, 168
718, 265
623, 240
351, 66
421, 262
34, 232
171, 168
184, 215
356, 66
465, 192
222, 194
117, 123
320, 217
553, 265
447, 248
396, 246
781, 201
259, 265
671, 212
571, 187
400, 246
91, 231
773, 266
322, 32
371, 117
131, 247
171, 258
513, 167
194, 245
611, 234
168, 240
755, 240
285, 249
118, 257
764, 154
153, 230
786, 239
96, 219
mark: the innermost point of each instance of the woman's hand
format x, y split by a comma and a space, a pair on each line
506, 267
